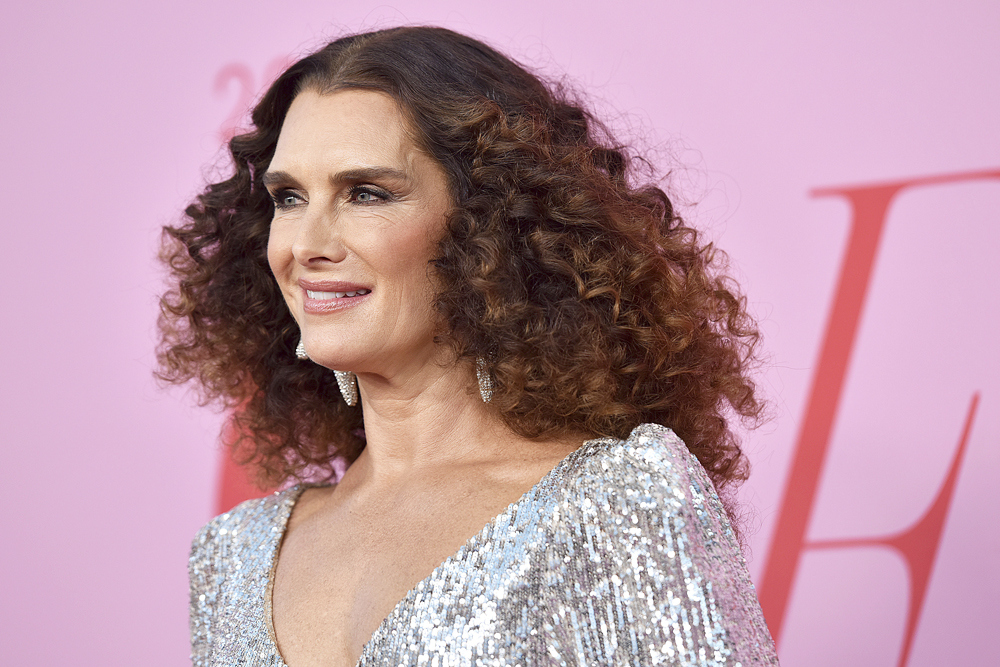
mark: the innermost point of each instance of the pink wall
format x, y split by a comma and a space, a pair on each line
111, 113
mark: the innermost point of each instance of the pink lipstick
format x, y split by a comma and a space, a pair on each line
327, 296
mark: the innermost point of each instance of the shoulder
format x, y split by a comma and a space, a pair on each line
251, 521
651, 468
231, 557
641, 536
653, 481
655, 452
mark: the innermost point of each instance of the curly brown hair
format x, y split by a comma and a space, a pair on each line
596, 307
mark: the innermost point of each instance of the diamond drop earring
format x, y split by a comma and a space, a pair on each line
348, 383
485, 380
300, 350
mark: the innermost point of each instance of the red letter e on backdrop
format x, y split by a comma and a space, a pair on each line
918, 545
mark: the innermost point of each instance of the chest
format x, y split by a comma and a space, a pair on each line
341, 573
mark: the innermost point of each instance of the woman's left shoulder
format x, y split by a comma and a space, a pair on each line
651, 468
648, 491
640, 534
658, 451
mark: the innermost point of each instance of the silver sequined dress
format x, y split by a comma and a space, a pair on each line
621, 555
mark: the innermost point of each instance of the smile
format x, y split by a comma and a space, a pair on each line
326, 296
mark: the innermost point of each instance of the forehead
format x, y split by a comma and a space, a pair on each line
344, 128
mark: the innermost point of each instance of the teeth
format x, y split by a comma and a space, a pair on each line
325, 296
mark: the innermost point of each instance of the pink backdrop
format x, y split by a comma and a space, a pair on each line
845, 154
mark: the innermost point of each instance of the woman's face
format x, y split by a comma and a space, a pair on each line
359, 210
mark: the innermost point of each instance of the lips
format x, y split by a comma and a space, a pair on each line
328, 296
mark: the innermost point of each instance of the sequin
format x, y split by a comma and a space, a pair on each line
621, 555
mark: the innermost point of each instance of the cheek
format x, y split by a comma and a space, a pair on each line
412, 257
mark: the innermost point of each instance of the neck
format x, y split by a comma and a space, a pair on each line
428, 417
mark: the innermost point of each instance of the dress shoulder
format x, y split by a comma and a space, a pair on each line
231, 558
644, 565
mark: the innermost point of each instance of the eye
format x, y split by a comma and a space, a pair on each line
368, 194
285, 199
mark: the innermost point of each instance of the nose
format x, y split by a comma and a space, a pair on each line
318, 239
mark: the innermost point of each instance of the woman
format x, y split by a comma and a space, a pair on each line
433, 268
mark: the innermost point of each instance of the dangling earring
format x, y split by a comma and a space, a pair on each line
348, 383
485, 380
300, 350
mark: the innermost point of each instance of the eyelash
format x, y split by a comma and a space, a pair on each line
353, 193
356, 190
279, 197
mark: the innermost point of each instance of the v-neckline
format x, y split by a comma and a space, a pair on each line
528, 496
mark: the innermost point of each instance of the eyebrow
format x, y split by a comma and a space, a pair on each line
272, 178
